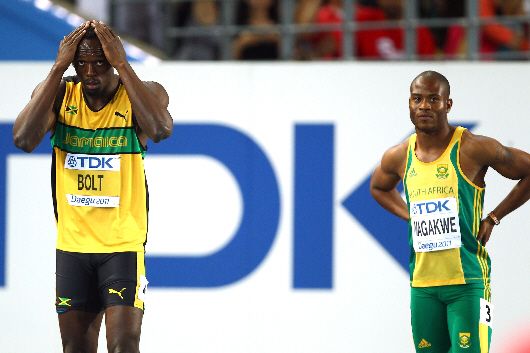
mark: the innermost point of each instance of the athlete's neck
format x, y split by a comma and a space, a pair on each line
431, 145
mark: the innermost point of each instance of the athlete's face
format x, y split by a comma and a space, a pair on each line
92, 67
429, 104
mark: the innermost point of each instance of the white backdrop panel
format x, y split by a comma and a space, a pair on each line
367, 310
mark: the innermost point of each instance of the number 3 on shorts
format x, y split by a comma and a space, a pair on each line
143, 288
486, 312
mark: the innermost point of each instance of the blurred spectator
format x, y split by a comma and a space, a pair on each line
382, 43
204, 46
143, 21
389, 43
495, 37
146, 22
448, 39
257, 46
305, 13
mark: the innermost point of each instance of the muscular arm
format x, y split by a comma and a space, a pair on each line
149, 100
39, 115
385, 179
514, 164
509, 162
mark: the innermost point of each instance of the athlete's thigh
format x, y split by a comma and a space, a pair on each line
469, 316
429, 321
123, 324
122, 279
76, 283
79, 330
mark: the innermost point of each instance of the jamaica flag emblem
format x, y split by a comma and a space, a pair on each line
71, 110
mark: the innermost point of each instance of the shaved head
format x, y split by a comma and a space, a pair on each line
433, 75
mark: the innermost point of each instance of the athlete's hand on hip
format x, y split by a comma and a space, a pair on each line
111, 43
484, 231
68, 46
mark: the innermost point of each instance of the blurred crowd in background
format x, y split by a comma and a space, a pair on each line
252, 30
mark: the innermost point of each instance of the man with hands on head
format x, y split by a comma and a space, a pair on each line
443, 168
99, 121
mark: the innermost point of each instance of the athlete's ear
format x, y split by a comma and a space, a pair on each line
449, 105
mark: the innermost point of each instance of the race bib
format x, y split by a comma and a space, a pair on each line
435, 224
486, 312
92, 180
142, 289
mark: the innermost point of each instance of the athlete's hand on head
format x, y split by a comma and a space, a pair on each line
68, 46
111, 43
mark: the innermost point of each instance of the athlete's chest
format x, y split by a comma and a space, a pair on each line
433, 180
115, 114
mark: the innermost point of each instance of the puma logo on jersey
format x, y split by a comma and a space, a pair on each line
123, 116
112, 291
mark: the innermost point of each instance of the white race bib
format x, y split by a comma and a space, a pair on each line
95, 162
92, 180
486, 312
435, 224
142, 289
93, 201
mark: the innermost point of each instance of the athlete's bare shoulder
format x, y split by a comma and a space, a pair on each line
478, 149
485, 151
395, 158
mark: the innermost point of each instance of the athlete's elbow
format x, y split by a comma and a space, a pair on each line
23, 144
376, 194
162, 133
374, 190
379, 195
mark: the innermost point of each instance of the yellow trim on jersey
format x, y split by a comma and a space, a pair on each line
140, 265
458, 163
483, 333
444, 178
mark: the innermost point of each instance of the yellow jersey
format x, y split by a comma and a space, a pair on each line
98, 180
445, 210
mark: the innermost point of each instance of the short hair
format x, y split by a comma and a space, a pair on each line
90, 33
436, 76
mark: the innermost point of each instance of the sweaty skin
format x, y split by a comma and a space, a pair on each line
95, 61
429, 104
439, 286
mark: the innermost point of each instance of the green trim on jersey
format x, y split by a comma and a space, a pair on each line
470, 205
421, 182
100, 141
98, 210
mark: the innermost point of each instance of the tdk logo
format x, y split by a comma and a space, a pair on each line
71, 161
440, 206
313, 200
92, 162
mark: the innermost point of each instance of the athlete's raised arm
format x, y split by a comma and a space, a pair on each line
149, 100
38, 117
